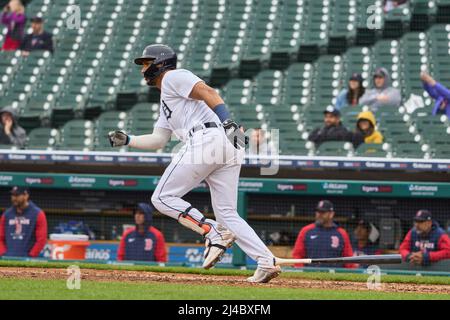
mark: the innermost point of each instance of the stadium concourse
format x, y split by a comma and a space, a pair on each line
278, 65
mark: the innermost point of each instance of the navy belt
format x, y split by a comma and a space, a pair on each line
206, 125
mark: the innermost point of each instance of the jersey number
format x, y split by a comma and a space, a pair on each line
166, 110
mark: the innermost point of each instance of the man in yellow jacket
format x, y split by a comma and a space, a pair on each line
366, 129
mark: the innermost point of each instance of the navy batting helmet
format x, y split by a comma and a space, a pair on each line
163, 58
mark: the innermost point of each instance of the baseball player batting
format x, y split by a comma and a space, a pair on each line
198, 116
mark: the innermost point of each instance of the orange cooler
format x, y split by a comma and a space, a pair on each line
68, 246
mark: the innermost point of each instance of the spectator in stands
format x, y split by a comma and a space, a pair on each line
389, 5
333, 129
365, 238
23, 227
426, 242
366, 131
13, 17
383, 94
10, 131
143, 242
351, 95
259, 144
324, 238
39, 39
438, 92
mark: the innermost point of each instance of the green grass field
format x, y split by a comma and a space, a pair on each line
433, 280
56, 289
26, 288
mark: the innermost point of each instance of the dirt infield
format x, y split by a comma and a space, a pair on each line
195, 279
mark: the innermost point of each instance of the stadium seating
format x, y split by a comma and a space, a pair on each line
77, 135
43, 139
106, 121
278, 65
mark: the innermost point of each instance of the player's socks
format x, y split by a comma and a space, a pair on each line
217, 238
192, 218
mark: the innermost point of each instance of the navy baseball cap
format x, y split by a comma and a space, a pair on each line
357, 77
37, 20
17, 191
379, 73
324, 206
423, 215
364, 223
333, 111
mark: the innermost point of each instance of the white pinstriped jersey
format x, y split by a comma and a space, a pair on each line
178, 112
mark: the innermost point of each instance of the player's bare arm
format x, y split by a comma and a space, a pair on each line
202, 91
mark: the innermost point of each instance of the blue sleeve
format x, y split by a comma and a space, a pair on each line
431, 90
341, 101
443, 91
222, 112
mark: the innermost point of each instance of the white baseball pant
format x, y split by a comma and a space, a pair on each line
187, 171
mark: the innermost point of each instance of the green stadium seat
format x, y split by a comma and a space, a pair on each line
408, 150
287, 39
7, 147
371, 150
443, 11
257, 48
334, 148
327, 80
238, 92
42, 139
397, 21
108, 121
298, 83
142, 117
77, 135
315, 35
35, 114
422, 15
343, 31
268, 85
369, 22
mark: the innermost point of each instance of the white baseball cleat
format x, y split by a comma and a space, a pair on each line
216, 247
263, 275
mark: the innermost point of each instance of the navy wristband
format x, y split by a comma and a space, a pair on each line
222, 112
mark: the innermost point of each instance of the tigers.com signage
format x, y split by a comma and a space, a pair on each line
246, 185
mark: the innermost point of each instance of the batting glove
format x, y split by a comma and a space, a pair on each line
235, 134
118, 138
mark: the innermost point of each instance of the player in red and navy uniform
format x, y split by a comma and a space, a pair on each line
426, 242
23, 227
323, 239
142, 242
365, 237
